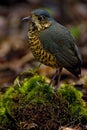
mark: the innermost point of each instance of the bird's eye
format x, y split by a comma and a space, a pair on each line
40, 18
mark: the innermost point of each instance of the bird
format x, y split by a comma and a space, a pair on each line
52, 44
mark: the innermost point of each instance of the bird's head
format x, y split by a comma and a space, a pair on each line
40, 18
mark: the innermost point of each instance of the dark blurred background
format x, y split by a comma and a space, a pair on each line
15, 55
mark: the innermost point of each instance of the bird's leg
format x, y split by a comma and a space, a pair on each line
58, 75
55, 75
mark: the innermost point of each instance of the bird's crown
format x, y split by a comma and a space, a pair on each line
41, 12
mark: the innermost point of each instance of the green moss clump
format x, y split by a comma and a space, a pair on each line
33, 100
7, 104
73, 96
34, 90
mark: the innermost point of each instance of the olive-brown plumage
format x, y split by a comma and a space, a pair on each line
52, 44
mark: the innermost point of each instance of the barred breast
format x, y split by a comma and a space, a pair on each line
39, 53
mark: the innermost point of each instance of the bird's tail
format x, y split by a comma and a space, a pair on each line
75, 71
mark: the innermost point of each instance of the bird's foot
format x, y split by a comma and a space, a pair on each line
56, 87
56, 78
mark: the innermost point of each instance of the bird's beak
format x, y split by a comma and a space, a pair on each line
26, 19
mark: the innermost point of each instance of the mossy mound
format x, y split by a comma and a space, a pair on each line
33, 105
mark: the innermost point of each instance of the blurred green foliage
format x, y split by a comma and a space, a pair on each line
75, 31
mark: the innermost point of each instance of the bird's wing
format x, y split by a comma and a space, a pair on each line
58, 41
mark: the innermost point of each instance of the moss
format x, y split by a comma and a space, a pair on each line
73, 96
7, 103
32, 100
